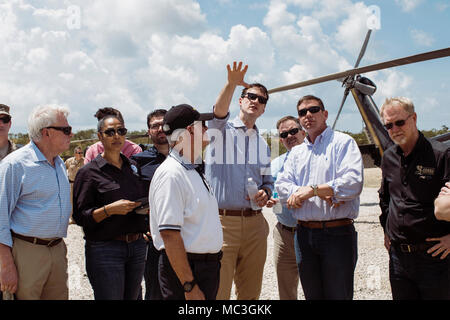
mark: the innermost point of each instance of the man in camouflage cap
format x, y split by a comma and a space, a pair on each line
6, 146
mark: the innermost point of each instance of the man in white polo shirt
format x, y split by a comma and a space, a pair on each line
184, 215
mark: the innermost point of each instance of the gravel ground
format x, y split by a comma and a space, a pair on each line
371, 274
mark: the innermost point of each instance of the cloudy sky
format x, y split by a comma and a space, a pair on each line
137, 55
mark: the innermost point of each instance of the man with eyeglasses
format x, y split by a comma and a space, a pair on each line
35, 209
321, 181
149, 160
6, 145
238, 152
291, 134
414, 170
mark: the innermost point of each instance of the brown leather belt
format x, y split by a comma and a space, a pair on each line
33, 240
325, 224
237, 213
290, 229
130, 237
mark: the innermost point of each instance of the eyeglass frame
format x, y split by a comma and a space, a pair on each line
398, 123
312, 110
4, 117
291, 132
115, 131
66, 130
252, 96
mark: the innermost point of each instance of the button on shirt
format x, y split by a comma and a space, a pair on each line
234, 155
409, 187
334, 159
179, 200
34, 195
286, 216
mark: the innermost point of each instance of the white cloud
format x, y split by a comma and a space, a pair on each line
408, 5
422, 38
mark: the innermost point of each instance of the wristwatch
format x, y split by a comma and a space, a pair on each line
315, 189
189, 285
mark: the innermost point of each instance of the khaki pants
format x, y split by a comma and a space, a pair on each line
42, 271
244, 254
285, 263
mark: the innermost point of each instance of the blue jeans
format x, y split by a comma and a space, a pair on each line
115, 268
417, 276
327, 262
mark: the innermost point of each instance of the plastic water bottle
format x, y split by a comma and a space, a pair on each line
277, 208
252, 190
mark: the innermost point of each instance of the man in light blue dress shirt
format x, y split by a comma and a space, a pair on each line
238, 152
291, 134
35, 209
322, 181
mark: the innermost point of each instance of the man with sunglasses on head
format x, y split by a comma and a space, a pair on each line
6, 145
35, 209
414, 170
321, 181
238, 152
291, 134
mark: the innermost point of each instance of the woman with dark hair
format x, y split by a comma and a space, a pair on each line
128, 148
107, 192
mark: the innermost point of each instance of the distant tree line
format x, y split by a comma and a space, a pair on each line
85, 138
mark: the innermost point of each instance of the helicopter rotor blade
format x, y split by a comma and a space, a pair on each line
374, 67
363, 49
347, 90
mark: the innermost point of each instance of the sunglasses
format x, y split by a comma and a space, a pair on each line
398, 123
291, 132
252, 96
5, 119
66, 130
313, 109
111, 132
79, 152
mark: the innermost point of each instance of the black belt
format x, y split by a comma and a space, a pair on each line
202, 256
290, 229
325, 224
410, 248
238, 213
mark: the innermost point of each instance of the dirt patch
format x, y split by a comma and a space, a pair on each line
372, 178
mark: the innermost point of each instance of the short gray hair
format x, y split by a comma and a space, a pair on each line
406, 103
44, 116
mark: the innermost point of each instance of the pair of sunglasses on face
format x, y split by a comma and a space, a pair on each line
66, 130
291, 132
112, 132
313, 109
398, 123
253, 96
5, 119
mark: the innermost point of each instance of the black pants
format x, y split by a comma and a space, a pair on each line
206, 271
152, 289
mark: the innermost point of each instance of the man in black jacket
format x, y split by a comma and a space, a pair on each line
414, 171
149, 160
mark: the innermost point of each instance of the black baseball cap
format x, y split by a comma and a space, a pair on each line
181, 116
